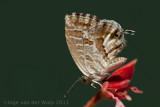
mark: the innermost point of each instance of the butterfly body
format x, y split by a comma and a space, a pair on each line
94, 44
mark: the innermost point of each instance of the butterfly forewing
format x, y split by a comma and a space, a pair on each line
75, 24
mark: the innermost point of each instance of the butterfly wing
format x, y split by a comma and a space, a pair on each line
74, 27
101, 48
92, 45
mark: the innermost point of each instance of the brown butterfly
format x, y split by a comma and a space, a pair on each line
94, 45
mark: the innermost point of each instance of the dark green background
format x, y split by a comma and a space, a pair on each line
35, 63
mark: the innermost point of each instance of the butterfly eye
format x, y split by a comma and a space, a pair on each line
116, 35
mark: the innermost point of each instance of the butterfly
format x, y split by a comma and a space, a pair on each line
94, 45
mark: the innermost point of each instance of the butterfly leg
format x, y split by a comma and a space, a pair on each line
92, 84
93, 81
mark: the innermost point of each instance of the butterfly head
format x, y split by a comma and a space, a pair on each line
85, 79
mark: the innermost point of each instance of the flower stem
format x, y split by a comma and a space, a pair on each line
95, 99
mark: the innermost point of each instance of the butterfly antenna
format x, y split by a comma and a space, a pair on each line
65, 95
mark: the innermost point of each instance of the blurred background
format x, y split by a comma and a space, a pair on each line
35, 63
